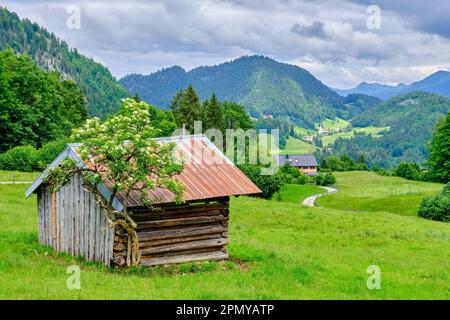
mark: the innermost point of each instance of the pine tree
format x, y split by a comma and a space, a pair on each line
137, 98
190, 108
440, 152
362, 158
186, 108
213, 117
175, 106
204, 114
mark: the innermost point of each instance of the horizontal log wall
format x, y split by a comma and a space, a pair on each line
178, 234
71, 221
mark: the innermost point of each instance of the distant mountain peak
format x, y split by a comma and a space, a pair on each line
438, 82
260, 83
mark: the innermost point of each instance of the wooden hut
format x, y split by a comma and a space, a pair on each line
71, 221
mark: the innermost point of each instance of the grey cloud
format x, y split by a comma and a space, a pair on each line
143, 36
315, 30
425, 16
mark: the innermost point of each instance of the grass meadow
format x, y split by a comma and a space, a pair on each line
16, 176
294, 193
279, 250
374, 131
370, 192
335, 124
297, 146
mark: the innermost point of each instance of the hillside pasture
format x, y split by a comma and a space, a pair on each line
370, 192
336, 124
374, 131
278, 250
293, 146
295, 193
297, 146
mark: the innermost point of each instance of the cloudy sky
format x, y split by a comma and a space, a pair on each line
341, 42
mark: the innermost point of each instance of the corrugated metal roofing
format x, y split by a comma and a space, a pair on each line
304, 160
207, 174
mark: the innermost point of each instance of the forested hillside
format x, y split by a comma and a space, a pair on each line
417, 109
102, 91
35, 106
261, 84
355, 104
412, 119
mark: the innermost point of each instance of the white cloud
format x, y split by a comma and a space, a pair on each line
328, 37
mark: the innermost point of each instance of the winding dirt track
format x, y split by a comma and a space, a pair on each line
311, 200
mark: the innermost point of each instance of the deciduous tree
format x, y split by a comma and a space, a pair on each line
440, 151
123, 152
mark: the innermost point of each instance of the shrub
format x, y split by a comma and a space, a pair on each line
269, 184
27, 158
408, 170
361, 167
325, 179
333, 163
319, 179
302, 179
22, 158
436, 207
382, 171
343, 163
49, 152
289, 174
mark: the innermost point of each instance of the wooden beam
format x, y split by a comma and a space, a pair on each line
154, 243
200, 244
54, 215
215, 255
180, 232
180, 222
168, 211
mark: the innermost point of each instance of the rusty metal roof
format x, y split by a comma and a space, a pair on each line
207, 174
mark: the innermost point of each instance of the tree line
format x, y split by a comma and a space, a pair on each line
35, 106
187, 108
102, 92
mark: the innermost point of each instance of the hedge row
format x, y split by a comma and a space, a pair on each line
28, 158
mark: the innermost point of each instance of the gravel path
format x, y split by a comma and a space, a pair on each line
311, 200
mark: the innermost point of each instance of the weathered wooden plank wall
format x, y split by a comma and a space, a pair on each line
81, 229
172, 234
179, 234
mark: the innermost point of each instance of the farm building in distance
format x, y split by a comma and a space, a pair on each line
71, 221
306, 163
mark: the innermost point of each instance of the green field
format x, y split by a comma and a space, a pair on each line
294, 193
303, 132
296, 146
14, 176
278, 250
335, 124
370, 192
293, 146
374, 131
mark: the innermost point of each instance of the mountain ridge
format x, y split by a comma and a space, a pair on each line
437, 82
412, 119
262, 84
